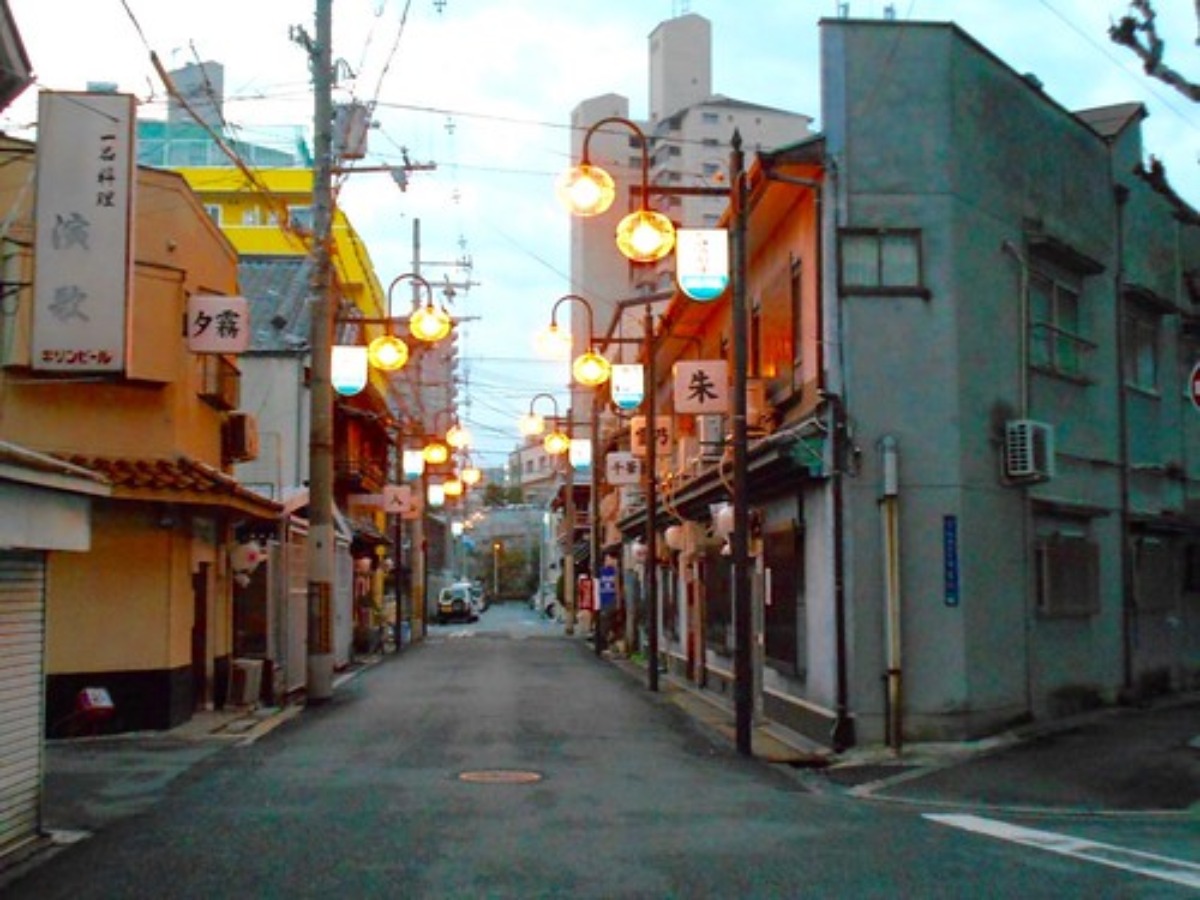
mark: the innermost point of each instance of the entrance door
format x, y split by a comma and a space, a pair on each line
200, 693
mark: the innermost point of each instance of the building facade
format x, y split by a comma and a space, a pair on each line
972, 456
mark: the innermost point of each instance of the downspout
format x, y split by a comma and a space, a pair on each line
1026, 507
889, 508
1128, 612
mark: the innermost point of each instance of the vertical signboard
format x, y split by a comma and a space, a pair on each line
83, 231
702, 262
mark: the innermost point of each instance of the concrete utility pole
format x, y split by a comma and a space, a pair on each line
321, 534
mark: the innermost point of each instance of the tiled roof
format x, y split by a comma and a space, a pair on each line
278, 291
178, 480
22, 464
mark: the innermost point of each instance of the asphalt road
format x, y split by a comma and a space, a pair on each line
501, 759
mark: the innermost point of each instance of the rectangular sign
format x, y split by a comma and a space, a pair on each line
638, 435
218, 324
701, 386
950, 576
83, 231
622, 468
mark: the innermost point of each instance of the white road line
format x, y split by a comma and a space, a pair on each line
1162, 867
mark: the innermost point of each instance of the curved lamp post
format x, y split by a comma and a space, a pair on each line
350, 364
644, 235
555, 442
590, 368
587, 190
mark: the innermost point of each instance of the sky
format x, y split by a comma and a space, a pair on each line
483, 90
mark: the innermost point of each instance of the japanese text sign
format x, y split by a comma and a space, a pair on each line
639, 438
622, 468
217, 324
82, 234
701, 386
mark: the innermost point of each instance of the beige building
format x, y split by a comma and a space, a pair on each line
145, 613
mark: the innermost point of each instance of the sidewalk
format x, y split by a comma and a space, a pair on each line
1117, 760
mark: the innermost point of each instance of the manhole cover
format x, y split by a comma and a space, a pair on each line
500, 776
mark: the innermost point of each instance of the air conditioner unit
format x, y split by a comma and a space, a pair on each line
1028, 450
710, 431
245, 682
240, 438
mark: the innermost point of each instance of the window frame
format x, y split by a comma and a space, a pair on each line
1067, 350
881, 285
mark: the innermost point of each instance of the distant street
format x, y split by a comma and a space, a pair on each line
501, 759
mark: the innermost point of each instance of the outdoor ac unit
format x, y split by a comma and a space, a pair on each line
710, 430
245, 682
1028, 450
241, 437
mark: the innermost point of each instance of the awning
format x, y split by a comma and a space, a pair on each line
179, 480
774, 462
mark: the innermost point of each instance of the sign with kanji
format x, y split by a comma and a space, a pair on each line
401, 500
217, 324
702, 262
701, 386
622, 468
83, 232
639, 437
628, 385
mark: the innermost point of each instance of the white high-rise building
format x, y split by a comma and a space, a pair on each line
689, 129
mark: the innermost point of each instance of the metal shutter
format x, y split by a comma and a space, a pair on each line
22, 634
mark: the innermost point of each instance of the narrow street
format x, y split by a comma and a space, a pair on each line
501, 759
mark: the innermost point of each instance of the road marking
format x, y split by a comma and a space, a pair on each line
1153, 865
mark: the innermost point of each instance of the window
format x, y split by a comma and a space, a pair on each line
784, 559
214, 212
251, 216
710, 118
796, 300
1056, 326
1141, 349
1157, 574
300, 218
220, 381
1068, 565
718, 605
882, 262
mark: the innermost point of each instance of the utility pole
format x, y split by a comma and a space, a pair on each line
320, 440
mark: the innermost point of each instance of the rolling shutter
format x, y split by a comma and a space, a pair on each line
22, 633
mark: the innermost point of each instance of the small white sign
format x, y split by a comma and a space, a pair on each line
622, 468
217, 324
701, 386
638, 436
702, 262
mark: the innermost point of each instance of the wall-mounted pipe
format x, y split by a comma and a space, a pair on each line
889, 509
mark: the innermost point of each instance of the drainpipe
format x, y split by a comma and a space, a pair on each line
889, 508
1026, 506
841, 736
1128, 612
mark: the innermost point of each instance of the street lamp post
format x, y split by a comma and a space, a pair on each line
556, 443
588, 191
319, 663
590, 369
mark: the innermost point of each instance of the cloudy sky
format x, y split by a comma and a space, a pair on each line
483, 89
